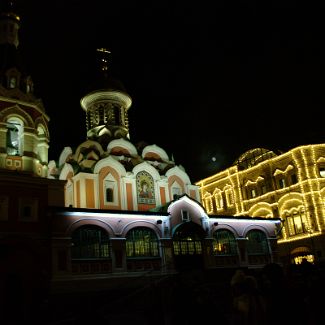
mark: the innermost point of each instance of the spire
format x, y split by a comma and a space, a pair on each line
104, 55
13, 73
9, 24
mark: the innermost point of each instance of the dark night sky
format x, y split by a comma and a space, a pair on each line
207, 78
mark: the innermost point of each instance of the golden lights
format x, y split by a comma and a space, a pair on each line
301, 191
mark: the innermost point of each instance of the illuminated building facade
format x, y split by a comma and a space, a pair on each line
129, 209
25, 191
24, 134
140, 202
108, 208
175, 237
289, 186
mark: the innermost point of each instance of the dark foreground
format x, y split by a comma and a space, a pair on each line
277, 296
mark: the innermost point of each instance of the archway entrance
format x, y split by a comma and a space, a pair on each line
188, 246
302, 253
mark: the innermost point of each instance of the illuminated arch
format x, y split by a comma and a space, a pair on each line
17, 112
261, 209
65, 154
208, 202
253, 157
66, 172
290, 201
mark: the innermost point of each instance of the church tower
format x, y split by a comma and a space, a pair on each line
24, 134
106, 106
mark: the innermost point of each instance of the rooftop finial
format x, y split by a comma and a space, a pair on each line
104, 58
7, 9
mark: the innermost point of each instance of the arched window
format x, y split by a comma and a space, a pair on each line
40, 130
297, 223
29, 86
257, 243
14, 136
208, 203
90, 242
110, 190
224, 242
219, 200
176, 190
142, 242
12, 82
187, 239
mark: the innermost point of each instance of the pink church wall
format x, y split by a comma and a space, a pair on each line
129, 197
162, 195
173, 179
90, 195
193, 194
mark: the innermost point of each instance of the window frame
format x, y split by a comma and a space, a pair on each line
101, 248
138, 246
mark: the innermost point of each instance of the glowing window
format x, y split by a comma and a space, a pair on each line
322, 171
187, 239
208, 203
12, 82
142, 242
40, 130
14, 137
224, 243
297, 223
219, 201
229, 197
90, 242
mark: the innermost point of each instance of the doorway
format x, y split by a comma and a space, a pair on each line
188, 240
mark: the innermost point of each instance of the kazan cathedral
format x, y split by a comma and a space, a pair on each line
105, 209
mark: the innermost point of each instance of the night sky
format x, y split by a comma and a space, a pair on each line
209, 79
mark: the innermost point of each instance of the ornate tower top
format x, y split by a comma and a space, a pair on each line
106, 106
24, 134
14, 79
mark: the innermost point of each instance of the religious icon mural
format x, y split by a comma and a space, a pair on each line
145, 188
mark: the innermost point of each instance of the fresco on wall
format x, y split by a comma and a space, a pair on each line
145, 188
